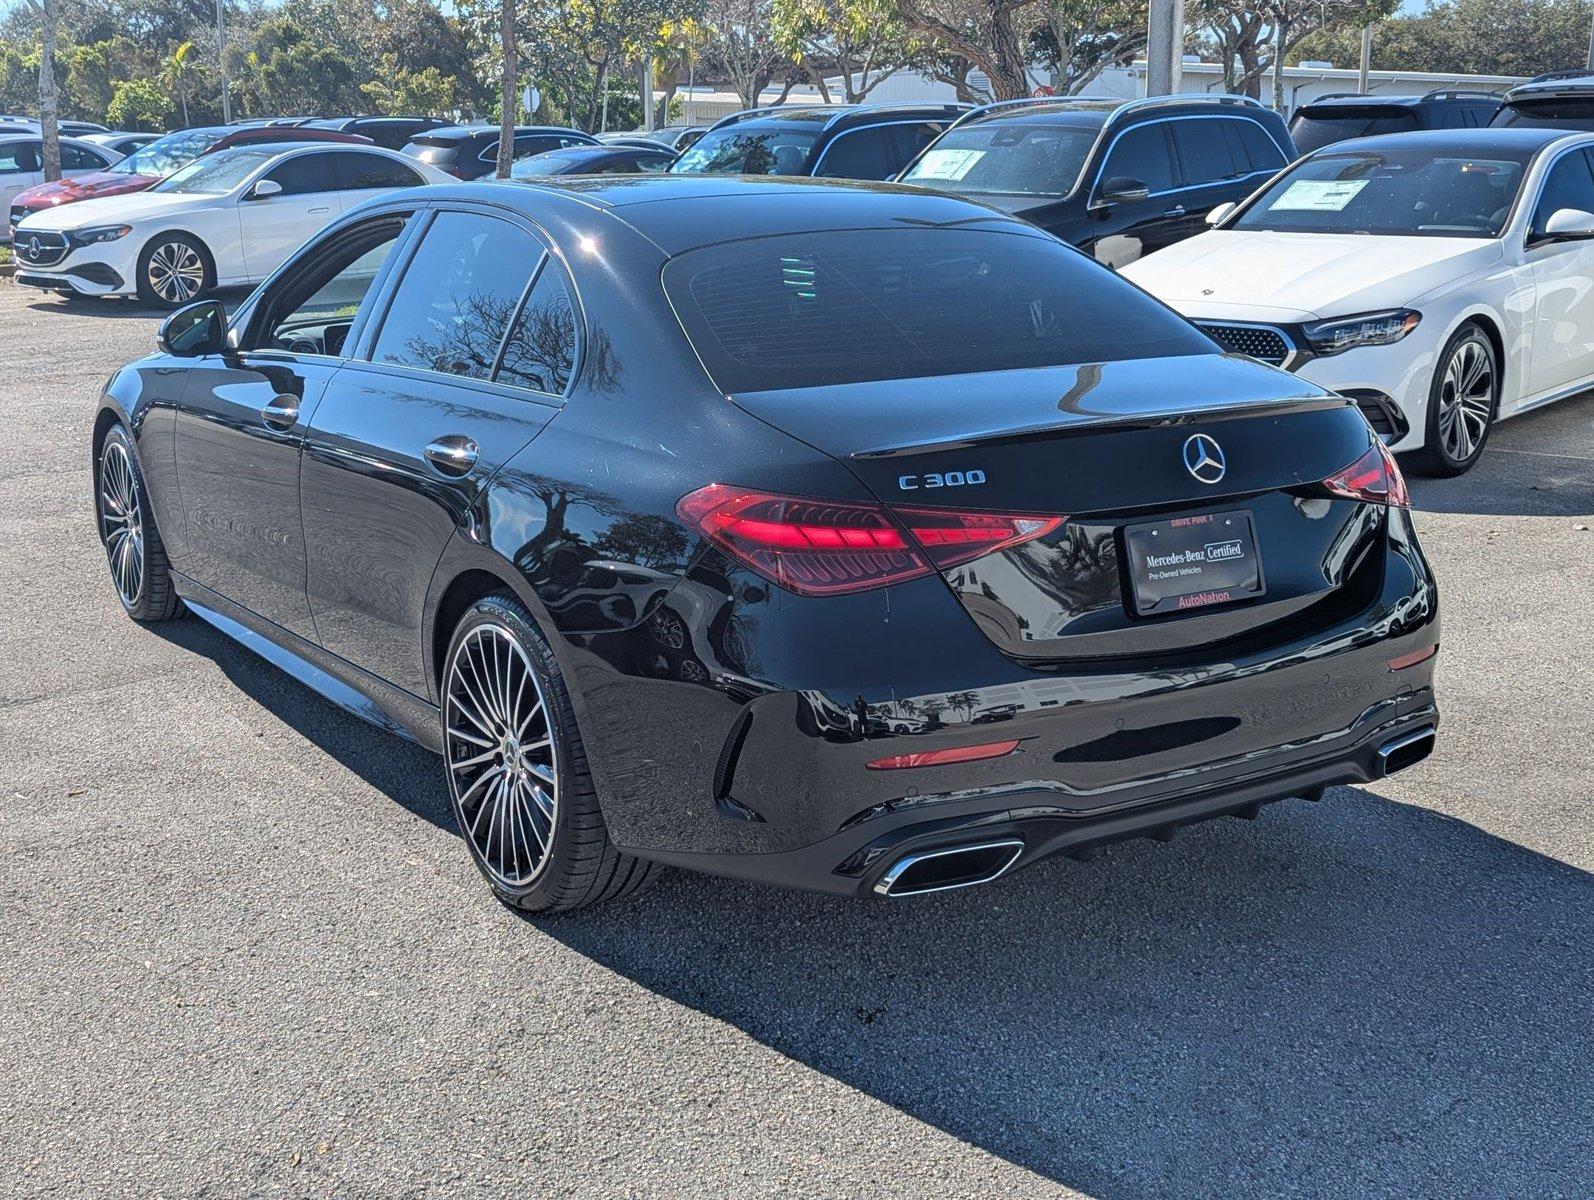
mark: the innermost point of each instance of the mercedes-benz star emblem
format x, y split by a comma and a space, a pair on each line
34, 246
1203, 458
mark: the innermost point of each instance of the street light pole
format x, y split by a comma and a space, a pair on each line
221, 55
1366, 61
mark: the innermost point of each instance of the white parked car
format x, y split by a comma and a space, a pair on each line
1444, 279
225, 219
22, 162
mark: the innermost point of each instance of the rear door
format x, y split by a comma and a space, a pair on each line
19, 168
468, 362
273, 227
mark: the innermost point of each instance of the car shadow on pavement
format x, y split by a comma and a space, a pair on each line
49, 306
1357, 998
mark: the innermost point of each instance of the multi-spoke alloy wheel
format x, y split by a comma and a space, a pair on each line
1462, 404
121, 523
174, 271
522, 793
502, 762
133, 546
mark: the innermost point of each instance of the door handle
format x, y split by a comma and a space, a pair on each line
282, 413
453, 456
322, 209
1176, 211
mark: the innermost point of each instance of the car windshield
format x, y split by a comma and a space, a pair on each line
1313, 129
1016, 159
216, 174
736, 151
165, 155
1425, 193
1565, 113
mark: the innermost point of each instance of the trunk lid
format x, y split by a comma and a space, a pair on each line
1104, 445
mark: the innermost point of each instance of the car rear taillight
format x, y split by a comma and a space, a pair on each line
1374, 477
829, 547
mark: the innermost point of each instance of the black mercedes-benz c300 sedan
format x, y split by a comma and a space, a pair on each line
848, 537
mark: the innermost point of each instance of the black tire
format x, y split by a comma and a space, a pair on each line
134, 552
1463, 402
175, 269
535, 863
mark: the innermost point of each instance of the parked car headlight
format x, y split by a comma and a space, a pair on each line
100, 233
1368, 329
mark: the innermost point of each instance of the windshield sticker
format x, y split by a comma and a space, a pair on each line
1318, 195
947, 164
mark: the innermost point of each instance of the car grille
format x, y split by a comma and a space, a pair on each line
1258, 341
40, 249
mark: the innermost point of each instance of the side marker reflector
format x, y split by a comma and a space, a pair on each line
940, 758
1415, 657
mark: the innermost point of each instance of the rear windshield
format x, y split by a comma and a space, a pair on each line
823, 309
733, 151
432, 151
1313, 129
1547, 114
1017, 159
164, 155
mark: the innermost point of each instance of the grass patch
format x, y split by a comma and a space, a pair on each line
5, 255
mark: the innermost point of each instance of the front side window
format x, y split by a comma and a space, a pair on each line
1421, 193
996, 159
1142, 153
1568, 185
825, 309
305, 175
860, 154
454, 304
216, 174
312, 310
742, 151
540, 352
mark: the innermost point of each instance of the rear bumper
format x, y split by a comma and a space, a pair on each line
1041, 823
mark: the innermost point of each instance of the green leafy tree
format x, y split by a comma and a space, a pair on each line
140, 104
398, 91
863, 42
1485, 37
1079, 39
992, 35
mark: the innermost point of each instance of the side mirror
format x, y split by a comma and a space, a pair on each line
1569, 224
194, 330
263, 188
1121, 189
1221, 211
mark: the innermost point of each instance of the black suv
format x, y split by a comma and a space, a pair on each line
471, 151
1346, 115
393, 132
833, 141
1560, 100
1118, 180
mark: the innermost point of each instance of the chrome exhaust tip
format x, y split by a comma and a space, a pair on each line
1405, 751
951, 867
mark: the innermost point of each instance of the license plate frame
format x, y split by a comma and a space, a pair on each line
1188, 563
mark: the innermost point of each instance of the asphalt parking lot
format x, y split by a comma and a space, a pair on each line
243, 951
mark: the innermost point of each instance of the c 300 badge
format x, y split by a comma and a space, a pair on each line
939, 479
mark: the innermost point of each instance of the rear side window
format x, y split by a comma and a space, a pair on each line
1253, 149
859, 154
908, 140
1203, 149
18, 156
453, 306
541, 351
361, 171
823, 309
75, 158
1142, 153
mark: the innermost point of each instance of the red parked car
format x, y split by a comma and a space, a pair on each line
144, 168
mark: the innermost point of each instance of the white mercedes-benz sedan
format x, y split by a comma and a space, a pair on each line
1444, 280
226, 219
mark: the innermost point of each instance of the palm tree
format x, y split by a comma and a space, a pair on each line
964, 700
174, 75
